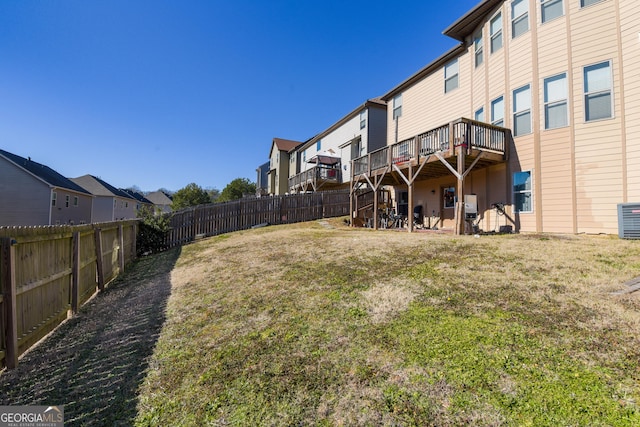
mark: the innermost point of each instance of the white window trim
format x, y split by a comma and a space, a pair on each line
493, 120
584, 95
397, 106
530, 191
558, 102
523, 111
456, 75
582, 5
516, 19
497, 34
478, 48
543, 3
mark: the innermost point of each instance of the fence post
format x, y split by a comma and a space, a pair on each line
75, 273
8, 279
121, 248
99, 262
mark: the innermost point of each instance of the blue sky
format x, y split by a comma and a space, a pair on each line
162, 93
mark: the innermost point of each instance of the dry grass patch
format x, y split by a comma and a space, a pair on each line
320, 324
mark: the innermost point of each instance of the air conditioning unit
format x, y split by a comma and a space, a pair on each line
629, 220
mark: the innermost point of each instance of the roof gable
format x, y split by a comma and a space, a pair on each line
98, 187
43, 172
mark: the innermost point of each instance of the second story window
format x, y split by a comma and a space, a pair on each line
522, 111
66, 201
551, 9
397, 106
75, 201
479, 114
555, 101
519, 17
478, 48
318, 145
497, 111
585, 3
598, 101
495, 27
451, 76
363, 119
54, 198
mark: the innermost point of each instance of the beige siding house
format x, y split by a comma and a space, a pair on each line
561, 76
280, 162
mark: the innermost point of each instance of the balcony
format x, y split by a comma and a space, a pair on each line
319, 176
483, 145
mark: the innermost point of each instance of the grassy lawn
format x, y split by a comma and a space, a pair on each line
319, 324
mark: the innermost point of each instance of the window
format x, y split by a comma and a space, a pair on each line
304, 156
451, 76
66, 201
54, 198
397, 106
522, 191
497, 111
363, 119
478, 47
479, 134
522, 111
597, 91
449, 196
551, 9
318, 145
555, 101
519, 17
495, 27
585, 3
75, 201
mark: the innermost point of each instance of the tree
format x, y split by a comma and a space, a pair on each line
213, 192
191, 195
236, 189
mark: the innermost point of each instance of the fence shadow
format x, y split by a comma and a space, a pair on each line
94, 363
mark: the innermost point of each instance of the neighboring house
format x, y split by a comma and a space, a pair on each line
161, 200
562, 76
34, 194
279, 164
141, 201
262, 182
109, 203
324, 161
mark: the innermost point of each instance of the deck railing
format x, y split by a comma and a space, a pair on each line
471, 133
315, 174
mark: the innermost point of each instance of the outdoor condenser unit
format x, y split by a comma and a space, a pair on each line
629, 220
470, 207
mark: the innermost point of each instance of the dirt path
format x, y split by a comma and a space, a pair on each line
94, 363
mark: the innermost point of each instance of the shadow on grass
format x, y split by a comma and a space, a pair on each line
94, 363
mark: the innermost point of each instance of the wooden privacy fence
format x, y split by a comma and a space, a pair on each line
47, 272
220, 218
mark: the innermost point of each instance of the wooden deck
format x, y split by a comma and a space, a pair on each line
451, 149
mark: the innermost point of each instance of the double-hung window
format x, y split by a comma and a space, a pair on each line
555, 101
497, 111
495, 27
478, 48
363, 119
479, 134
584, 3
522, 111
519, 17
451, 76
54, 198
597, 91
319, 145
397, 106
522, 197
551, 9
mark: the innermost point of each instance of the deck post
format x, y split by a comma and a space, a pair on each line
375, 207
410, 201
460, 190
75, 273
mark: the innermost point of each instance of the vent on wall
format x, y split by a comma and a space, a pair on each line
629, 220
